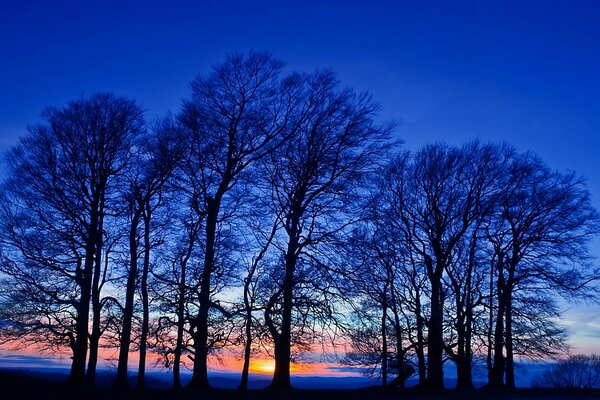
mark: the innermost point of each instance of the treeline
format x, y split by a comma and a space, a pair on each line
273, 214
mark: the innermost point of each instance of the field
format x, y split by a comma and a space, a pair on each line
15, 385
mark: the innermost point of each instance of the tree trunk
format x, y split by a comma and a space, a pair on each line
435, 371
121, 380
77, 373
462, 375
384, 352
490, 340
200, 371
141, 378
499, 362
180, 325
96, 305
510, 367
281, 375
420, 348
468, 383
247, 349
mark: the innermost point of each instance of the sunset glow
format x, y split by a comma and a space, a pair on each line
262, 366
320, 199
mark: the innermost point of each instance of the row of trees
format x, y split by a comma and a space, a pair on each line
463, 255
273, 213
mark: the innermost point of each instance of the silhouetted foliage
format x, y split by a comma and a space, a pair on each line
61, 184
578, 371
315, 180
272, 215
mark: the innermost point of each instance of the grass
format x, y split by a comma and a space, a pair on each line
23, 386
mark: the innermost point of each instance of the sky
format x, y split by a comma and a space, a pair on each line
524, 72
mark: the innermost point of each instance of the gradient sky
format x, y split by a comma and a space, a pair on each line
525, 72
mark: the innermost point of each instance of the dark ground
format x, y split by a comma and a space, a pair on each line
18, 385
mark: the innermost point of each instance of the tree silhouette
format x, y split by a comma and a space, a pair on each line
236, 115
61, 180
316, 178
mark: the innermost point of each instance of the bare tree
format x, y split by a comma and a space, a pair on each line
315, 182
539, 238
578, 371
60, 185
379, 334
236, 115
158, 153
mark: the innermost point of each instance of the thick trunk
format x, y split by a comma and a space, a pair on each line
90, 377
121, 380
141, 378
435, 371
80, 347
464, 379
77, 373
281, 375
200, 371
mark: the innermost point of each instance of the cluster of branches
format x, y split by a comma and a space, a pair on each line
120, 233
463, 255
581, 371
271, 214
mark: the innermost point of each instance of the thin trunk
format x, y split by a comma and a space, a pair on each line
464, 295
384, 352
460, 351
490, 341
249, 304
180, 325
247, 349
498, 368
181, 296
121, 380
96, 304
400, 352
141, 378
420, 349
468, 349
510, 367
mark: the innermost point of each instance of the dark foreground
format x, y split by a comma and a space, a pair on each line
15, 385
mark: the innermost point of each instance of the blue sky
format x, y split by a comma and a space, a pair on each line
525, 72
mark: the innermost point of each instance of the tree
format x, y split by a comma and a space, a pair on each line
236, 115
539, 238
316, 177
158, 154
379, 335
580, 371
59, 187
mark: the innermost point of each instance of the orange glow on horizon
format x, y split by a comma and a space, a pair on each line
262, 366
231, 363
